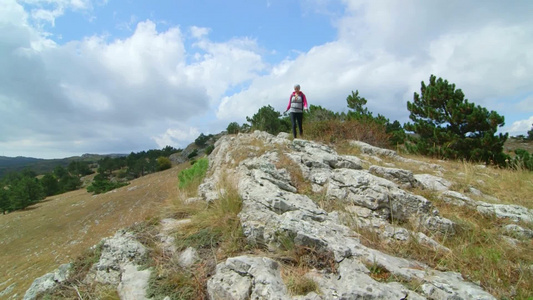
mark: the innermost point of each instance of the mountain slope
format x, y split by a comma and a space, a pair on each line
38, 239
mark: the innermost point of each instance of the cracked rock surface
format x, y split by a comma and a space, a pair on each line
272, 207
275, 210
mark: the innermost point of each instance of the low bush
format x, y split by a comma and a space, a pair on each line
336, 131
522, 160
209, 149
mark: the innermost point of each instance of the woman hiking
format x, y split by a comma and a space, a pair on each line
296, 107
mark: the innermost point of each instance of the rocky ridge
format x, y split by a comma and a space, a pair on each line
274, 211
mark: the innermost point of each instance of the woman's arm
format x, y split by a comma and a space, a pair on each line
289, 106
304, 100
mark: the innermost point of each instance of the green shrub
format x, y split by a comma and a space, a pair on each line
192, 154
123, 173
202, 139
233, 128
163, 163
209, 149
522, 160
194, 173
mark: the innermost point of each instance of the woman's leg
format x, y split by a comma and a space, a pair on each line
300, 117
293, 121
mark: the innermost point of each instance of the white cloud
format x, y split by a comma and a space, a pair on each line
386, 48
327, 74
490, 61
100, 95
80, 4
199, 32
133, 81
520, 127
223, 65
46, 11
176, 137
96, 95
12, 13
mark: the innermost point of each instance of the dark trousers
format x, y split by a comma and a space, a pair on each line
297, 117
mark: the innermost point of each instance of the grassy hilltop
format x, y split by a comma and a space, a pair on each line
60, 229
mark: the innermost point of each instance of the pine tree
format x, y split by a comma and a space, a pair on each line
449, 126
50, 184
318, 113
5, 204
25, 192
202, 139
268, 119
357, 104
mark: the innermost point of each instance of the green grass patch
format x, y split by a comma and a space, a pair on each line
193, 174
204, 238
217, 224
379, 272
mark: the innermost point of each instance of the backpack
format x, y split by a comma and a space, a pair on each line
297, 101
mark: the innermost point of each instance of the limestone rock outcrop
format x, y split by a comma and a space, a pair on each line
274, 210
305, 193
47, 282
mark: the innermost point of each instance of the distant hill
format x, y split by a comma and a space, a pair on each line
41, 166
17, 161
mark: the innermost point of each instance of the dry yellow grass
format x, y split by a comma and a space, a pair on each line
37, 240
214, 231
479, 250
507, 185
296, 281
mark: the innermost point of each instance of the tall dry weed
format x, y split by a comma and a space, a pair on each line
480, 251
337, 131
297, 178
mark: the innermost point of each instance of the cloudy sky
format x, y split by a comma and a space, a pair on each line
116, 76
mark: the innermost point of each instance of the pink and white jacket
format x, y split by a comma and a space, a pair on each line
297, 104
